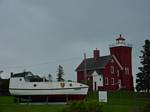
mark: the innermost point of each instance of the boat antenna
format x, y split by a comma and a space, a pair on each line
24, 70
85, 71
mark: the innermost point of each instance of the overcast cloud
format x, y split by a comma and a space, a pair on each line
38, 35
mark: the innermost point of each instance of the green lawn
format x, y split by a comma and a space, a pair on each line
7, 105
117, 102
123, 101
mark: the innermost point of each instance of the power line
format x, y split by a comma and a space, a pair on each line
40, 64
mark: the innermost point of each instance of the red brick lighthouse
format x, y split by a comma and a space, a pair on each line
110, 72
123, 53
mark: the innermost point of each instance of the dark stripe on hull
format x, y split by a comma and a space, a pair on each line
47, 89
50, 98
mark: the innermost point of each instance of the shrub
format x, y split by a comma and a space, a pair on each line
147, 108
94, 106
81, 106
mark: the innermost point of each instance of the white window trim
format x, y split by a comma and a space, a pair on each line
106, 81
112, 81
118, 73
126, 70
119, 83
112, 61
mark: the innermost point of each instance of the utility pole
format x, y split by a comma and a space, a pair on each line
85, 70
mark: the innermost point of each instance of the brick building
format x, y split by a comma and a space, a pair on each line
111, 72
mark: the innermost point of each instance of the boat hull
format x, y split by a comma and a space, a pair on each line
25, 90
49, 95
49, 98
50, 91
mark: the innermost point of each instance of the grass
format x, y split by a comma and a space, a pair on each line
117, 102
123, 101
31, 108
7, 105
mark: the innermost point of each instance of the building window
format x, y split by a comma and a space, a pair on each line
106, 80
112, 81
112, 61
119, 83
126, 70
118, 73
112, 69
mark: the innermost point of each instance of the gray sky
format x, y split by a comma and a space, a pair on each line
38, 35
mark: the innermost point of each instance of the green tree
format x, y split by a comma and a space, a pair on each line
60, 73
4, 86
143, 77
1, 71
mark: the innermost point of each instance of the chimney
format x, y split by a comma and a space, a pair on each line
96, 54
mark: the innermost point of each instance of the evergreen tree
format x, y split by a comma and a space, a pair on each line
1, 71
50, 77
60, 73
143, 77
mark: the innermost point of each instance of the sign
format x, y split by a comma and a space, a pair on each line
62, 84
102, 96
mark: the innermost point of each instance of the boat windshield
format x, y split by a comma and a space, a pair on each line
33, 78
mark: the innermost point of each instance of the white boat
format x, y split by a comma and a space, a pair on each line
28, 86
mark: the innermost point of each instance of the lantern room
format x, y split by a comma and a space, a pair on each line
120, 40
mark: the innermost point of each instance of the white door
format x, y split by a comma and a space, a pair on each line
97, 80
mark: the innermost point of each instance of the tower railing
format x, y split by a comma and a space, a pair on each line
115, 45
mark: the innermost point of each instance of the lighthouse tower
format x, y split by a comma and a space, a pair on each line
123, 52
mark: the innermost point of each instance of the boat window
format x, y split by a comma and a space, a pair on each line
30, 74
34, 85
33, 79
26, 79
20, 79
70, 84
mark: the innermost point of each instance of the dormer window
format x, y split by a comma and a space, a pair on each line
112, 61
112, 69
118, 73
